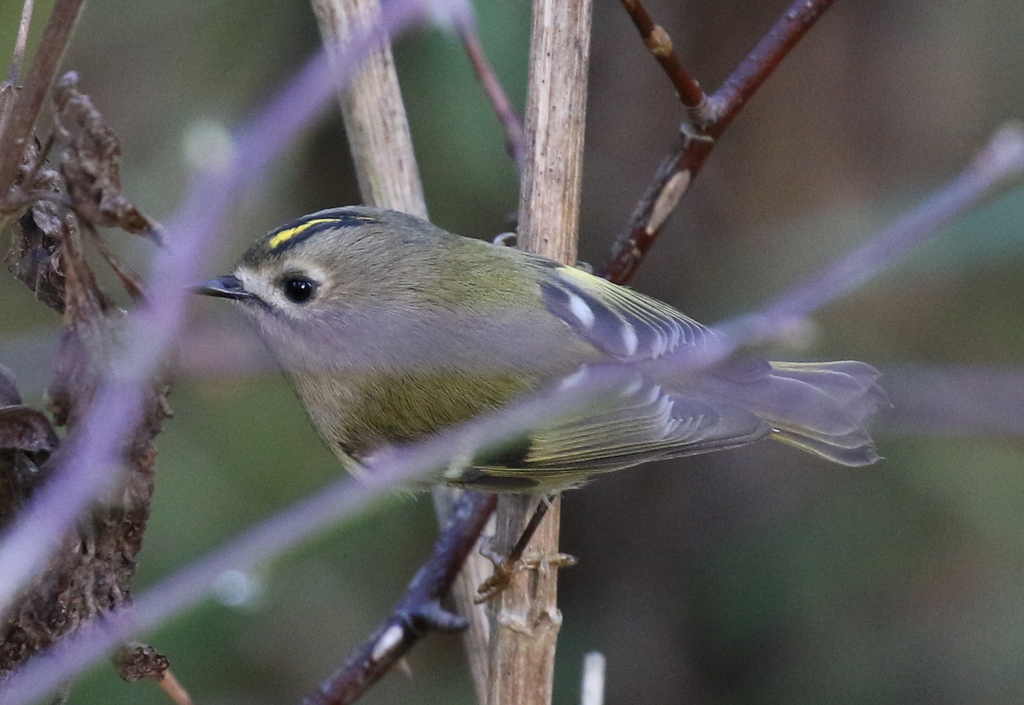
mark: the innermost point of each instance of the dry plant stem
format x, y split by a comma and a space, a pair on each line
29, 101
658, 42
419, 610
20, 42
175, 691
8, 89
492, 87
381, 145
374, 113
524, 618
675, 174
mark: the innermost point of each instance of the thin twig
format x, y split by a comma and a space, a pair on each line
346, 497
467, 32
9, 88
418, 612
658, 42
19, 45
675, 174
763, 60
174, 689
189, 586
131, 281
29, 102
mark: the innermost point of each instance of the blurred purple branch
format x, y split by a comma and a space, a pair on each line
90, 469
1001, 162
91, 466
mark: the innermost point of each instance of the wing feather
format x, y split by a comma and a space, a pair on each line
618, 321
645, 424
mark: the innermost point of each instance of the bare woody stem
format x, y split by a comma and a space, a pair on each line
375, 120
1001, 164
677, 171
524, 618
522, 663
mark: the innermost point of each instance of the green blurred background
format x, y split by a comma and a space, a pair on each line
758, 575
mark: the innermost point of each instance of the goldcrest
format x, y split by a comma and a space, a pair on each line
392, 329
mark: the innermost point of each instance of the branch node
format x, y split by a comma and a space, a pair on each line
432, 616
658, 42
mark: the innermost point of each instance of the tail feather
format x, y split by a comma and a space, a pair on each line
820, 407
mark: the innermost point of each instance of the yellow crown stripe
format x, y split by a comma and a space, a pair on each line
286, 235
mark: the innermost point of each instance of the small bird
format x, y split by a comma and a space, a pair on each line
392, 329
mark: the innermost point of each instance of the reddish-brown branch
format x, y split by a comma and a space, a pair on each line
492, 87
764, 59
675, 174
658, 42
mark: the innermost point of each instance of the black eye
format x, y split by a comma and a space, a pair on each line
298, 289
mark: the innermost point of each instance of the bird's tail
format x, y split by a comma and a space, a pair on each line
821, 407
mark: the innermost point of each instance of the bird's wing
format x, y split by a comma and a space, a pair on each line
618, 321
642, 424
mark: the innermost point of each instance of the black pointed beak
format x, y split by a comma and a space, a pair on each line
226, 287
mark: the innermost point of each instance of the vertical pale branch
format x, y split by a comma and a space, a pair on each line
385, 163
556, 103
375, 120
524, 618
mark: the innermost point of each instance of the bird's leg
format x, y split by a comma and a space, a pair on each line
506, 566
